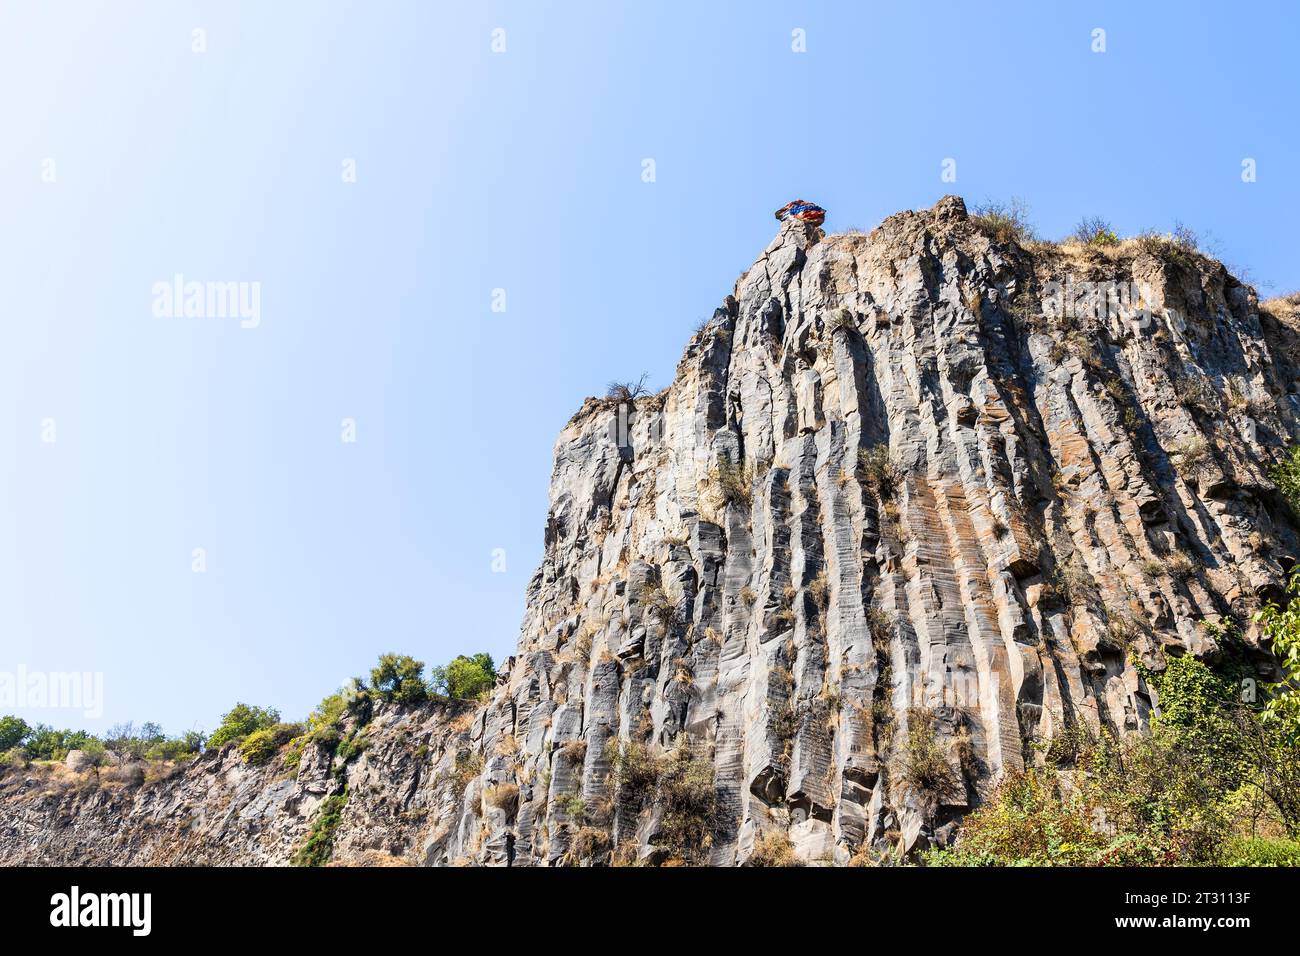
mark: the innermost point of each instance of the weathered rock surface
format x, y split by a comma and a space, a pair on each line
724, 574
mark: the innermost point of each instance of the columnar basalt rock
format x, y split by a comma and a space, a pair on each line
900, 521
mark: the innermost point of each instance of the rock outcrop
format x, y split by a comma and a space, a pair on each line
913, 507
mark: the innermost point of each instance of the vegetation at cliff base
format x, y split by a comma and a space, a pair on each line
1217, 782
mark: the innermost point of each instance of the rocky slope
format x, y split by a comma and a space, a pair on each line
903, 518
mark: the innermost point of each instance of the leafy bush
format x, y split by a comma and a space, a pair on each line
325, 723
177, 748
320, 841
350, 747
13, 731
1260, 851
1282, 627
572, 806
689, 802
680, 782
465, 678
46, 743
240, 721
1029, 822
398, 678
1287, 478
261, 745
1171, 798
95, 752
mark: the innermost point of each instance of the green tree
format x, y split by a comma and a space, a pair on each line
13, 731
465, 678
177, 748
1282, 627
46, 743
240, 721
1287, 478
399, 678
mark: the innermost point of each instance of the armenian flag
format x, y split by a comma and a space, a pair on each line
807, 212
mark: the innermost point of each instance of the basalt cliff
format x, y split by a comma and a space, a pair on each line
921, 487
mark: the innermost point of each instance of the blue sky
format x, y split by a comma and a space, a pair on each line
477, 170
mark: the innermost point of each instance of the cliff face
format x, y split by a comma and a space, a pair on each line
912, 506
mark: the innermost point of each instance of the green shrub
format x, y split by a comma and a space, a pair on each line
13, 731
46, 743
240, 721
261, 745
1260, 851
689, 802
398, 678
1282, 627
1029, 822
1173, 797
350, 747
177, 748
465, 678
572, 806
680, 782
320, 841
95, 751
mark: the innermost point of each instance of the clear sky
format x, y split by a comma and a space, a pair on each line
131, 438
